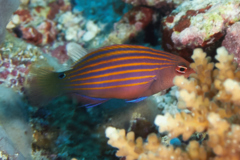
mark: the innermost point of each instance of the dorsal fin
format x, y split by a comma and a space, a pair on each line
75, 51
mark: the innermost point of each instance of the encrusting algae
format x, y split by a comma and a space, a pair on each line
212, 96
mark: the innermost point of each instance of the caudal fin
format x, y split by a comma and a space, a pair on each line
44, 86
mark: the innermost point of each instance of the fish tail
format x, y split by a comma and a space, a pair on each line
43, 86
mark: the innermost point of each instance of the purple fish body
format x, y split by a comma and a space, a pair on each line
123, 72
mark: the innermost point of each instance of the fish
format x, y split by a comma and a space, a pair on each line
123, 71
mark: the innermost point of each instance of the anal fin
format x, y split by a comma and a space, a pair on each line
87, 101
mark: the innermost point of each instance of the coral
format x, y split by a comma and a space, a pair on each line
182, 124
71, 26
43, 22
232, 41
130, 25
197, 93
15, 59
35, 21
168, 102
223, 137
92, 31
211, 95
198, 24
126, 143
152, 149
154, 3
60, 53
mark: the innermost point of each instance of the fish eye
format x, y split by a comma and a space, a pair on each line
61, 75
181, 69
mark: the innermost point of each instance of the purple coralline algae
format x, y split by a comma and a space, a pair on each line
232, 41
15, 59
154, 3
35, 22
12, 74
198, 24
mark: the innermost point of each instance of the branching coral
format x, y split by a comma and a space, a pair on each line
212, 97
223, 138
203, 93
150, 150
126, 143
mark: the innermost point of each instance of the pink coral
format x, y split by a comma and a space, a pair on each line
60, 53
232, 41
48, 29
154, 3
190, 37
198, 24
24, 15
37, 24
12, 73
31, 34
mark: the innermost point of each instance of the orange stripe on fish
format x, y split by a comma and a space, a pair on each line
114, 80
120, 59
117, 53
137, 47
125, 46
117, 66
114, 73
116, 86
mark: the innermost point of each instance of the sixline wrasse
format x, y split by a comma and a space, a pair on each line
127, 72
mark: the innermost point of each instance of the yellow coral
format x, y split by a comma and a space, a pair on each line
125, 143
233, 88
223, 138
212, 96
182, 124
152, 149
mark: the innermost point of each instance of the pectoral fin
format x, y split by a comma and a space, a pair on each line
88, 102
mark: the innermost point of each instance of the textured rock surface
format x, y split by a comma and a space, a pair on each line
36, 23
198, 24
130, 25
155, 3
232, 41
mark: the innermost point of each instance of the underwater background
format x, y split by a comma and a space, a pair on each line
196, 119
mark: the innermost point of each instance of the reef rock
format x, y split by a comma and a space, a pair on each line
198, 24
36, 22
232, 41
154, 3
131, 23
